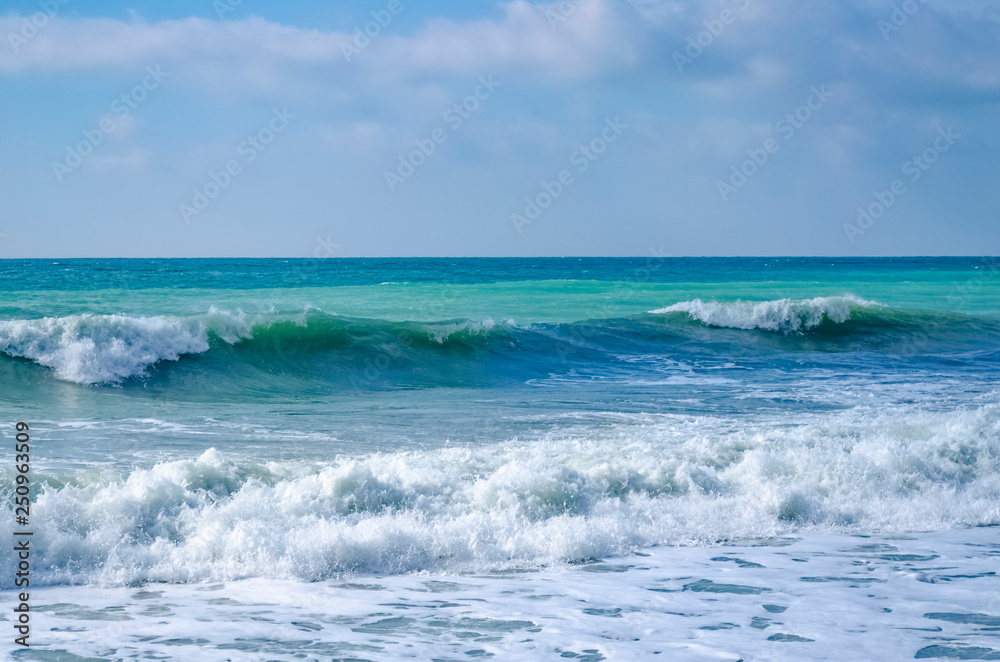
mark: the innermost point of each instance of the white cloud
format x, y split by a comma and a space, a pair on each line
590, 40
103, 43
773, 44
521, 39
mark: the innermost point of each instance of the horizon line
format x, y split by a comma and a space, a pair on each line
511, 257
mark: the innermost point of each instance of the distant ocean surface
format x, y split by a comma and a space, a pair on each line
596, 458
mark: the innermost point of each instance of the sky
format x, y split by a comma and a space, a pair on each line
244, 128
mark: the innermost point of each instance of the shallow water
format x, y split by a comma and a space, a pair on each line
803, 597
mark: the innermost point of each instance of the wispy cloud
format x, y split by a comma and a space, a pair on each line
523, 38
768, 44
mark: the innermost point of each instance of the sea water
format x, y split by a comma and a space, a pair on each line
435, 459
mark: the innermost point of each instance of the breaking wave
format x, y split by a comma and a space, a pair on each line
113, 349
783, 315
686, 481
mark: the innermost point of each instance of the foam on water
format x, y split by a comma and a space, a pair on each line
814, 597
680, 481
90, 349
782, 315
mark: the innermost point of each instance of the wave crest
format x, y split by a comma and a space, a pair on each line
91, 349
788, 316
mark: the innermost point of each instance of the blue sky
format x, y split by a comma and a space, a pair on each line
586, 127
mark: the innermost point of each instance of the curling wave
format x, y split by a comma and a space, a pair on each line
319, 347
90, 349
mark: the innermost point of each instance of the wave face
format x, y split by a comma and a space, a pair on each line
113, 349
682, 480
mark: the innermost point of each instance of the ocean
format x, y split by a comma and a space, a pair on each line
518, 459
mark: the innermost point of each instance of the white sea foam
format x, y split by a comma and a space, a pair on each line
90, 349
782, 315
816, 597
681, 480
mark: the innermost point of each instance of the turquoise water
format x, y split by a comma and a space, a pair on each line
201, 421
548, 290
